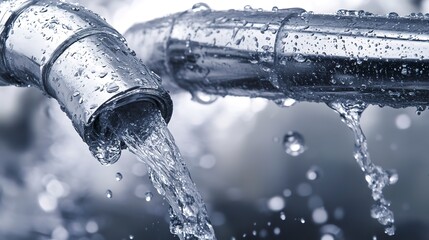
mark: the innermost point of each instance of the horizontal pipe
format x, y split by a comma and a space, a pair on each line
291, 53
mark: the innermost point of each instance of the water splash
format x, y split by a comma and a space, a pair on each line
376, 177
150, 140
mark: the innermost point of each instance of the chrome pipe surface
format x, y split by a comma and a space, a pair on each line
291, 53
74, 56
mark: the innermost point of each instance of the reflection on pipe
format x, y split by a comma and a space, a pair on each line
291, 53
74, 56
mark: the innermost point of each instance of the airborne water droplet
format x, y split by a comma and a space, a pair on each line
294, 143
131, 237
393, 176
118, 176
148, 196
109, 194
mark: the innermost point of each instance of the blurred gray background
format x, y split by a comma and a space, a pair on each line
52, 188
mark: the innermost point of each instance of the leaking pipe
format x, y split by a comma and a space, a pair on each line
74, 56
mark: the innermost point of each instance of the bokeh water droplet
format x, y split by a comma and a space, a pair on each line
403, 121
294, 143
314, 173
319, 215
276, 203
327, 237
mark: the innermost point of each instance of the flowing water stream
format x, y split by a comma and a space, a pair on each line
145, 134
376, 177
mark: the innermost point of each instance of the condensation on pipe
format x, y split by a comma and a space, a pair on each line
291, 53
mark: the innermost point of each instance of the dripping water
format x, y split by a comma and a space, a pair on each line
376, 177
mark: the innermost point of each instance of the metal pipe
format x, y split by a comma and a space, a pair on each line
74, 56
291, 53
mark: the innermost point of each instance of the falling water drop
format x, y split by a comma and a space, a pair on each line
376, 177
285, 103
107, 152
148, 196
393, 176
294, 143
203, 98
131, 237
420, 109
118, 176
109, 194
